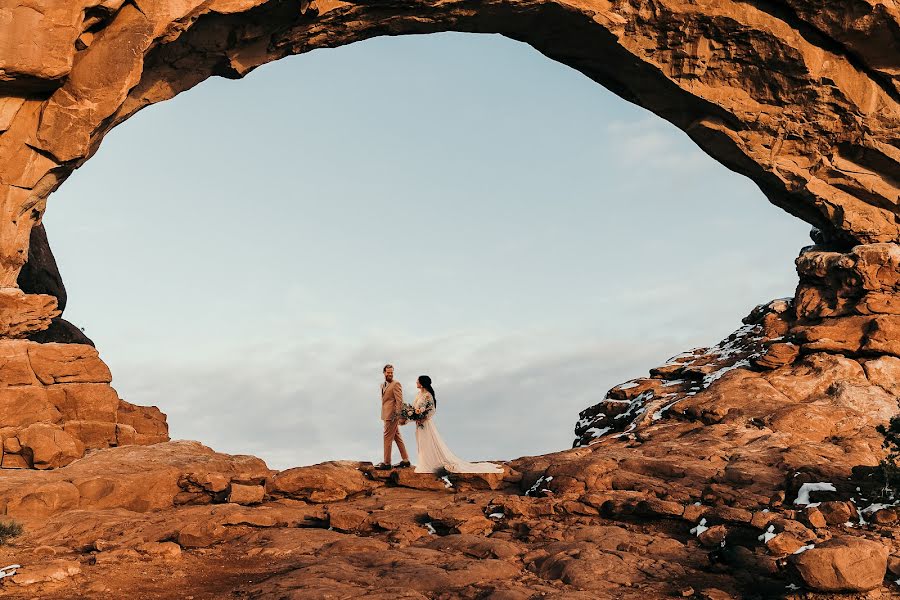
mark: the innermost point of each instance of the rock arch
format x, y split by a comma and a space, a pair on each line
803, 97
803, 101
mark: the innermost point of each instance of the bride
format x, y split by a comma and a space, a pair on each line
434, 454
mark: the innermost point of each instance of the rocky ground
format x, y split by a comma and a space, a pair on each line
340, 530
747, 470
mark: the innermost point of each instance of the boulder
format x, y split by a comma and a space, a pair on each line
777, 355
466, 519
843, 564
246, 494
477, 481
421, 481
165, 550
714, 536
837, 512
783, 544
343, 518
142, 425
325, 482
201, 534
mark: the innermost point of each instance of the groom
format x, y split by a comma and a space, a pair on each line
391, 401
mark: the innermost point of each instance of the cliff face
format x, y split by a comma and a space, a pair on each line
694, 481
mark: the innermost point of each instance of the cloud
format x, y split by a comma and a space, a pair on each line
499, 397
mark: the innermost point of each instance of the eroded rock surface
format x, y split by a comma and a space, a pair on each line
56, 403
748, 469
177, 519
800, 97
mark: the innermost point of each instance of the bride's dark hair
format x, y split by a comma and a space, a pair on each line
425, 382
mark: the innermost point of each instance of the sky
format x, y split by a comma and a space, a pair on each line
248, 255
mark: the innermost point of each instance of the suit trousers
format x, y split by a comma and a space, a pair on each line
391, 435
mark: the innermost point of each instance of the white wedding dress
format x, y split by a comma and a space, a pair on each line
434, 454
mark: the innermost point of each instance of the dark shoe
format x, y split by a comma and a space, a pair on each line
403, 464
383, 467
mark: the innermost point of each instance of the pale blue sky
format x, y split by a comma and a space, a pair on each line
249, 254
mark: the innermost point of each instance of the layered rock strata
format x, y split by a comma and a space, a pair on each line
56, 403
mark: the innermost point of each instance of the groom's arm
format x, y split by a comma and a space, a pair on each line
398, 397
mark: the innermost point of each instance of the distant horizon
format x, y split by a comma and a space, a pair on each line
248, 255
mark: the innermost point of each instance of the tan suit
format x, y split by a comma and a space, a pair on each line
391, 401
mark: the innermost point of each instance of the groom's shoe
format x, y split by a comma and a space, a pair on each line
403, 464
383, 467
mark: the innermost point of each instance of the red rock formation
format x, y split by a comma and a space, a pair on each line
56, 403
694, 481
803, 101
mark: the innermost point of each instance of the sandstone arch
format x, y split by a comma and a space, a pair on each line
803, 101
802, 97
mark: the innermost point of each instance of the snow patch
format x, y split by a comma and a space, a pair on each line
659, 414
597, 433
807, 488
709, 379
874, 508
699, 528
768, 535
537, 485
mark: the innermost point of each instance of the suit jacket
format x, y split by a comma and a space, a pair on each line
391, 400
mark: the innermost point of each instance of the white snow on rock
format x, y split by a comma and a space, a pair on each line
661, 412
537, 485
709, 379
699, 528
768, 535
874, 508
9, 570
598, 433
807, 488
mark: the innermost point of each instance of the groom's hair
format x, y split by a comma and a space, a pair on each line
386, 367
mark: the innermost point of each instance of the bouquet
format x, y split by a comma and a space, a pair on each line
410, 413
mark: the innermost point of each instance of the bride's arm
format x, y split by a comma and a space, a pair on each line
427, 405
